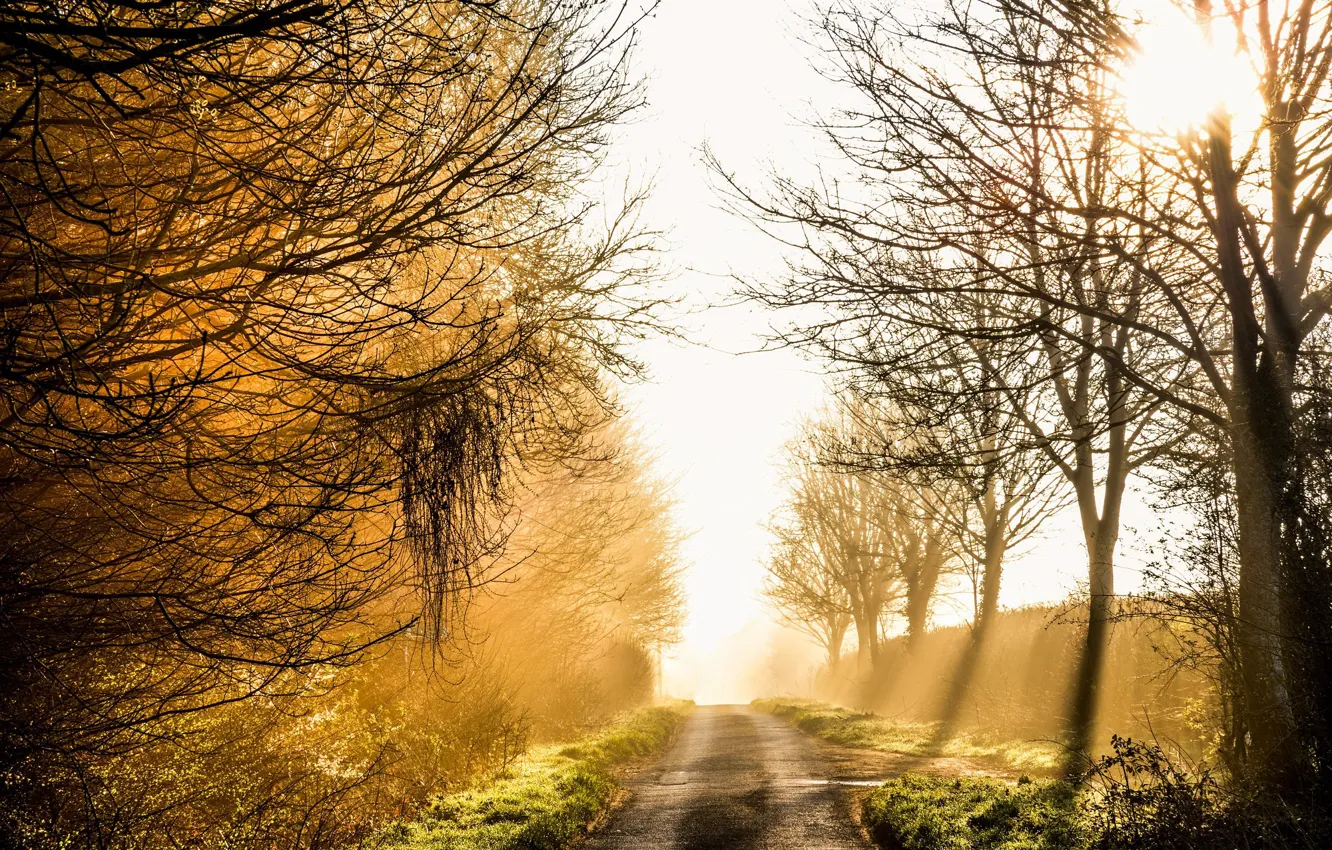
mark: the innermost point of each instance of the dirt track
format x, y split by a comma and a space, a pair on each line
736, 779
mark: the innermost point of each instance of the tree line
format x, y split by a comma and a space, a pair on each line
310, 328
1033, 291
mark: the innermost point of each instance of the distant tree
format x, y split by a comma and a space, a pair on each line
589, 585
932, 413
596, 531
805, 592
917, 541
875, 543
836, 511
940, 248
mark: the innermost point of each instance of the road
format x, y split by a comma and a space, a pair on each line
734, 779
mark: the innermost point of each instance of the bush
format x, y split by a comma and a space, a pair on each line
1142, 800
1136, 798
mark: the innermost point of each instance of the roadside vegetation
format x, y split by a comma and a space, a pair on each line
546, 799
917, 812
852, 728
317, 500
1138, 796
1133, 799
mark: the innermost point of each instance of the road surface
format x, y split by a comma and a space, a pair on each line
734, 779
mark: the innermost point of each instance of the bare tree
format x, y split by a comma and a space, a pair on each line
959, 122
917, 541
289, 290
928, 414
589, 583
873, 543
805, 592
837, 511
1201, 250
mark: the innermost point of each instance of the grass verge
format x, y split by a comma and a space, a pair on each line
857, 729
551, 797
917, 812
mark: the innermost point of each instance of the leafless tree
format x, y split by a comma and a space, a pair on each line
875, 544
805, 592
838, 514
960, 123
1216, 236
1170, 281
939, 423
938, 420
290, 289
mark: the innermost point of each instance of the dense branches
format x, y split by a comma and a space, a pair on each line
291, 292
1112, 288
856, 547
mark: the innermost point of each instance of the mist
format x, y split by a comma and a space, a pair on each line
554, 423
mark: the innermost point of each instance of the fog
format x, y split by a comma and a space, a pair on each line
394, 391
719, 408
761, 658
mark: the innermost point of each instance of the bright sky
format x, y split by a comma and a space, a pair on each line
734, 75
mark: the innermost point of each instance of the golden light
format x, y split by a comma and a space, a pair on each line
1180, 76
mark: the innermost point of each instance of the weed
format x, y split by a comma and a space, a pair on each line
857, 729
917, 812
546, 799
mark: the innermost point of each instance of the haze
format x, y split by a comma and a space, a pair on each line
717, 412
552, 424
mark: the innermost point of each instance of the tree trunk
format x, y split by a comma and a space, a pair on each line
865, 633
1087, 684
996, 544
1263, 373
875, 647
922, 584
836, 637
993, 568
1273, 748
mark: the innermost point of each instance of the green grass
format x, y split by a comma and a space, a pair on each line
917, 812
549, 798
857, 729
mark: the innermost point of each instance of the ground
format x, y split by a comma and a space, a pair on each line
737, 779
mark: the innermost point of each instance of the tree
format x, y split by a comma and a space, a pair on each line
985, 484
805, 592
959, 235
1261, 258
837, 513
289, 290
873, 545
915, 539
1216, 235
988, 490
589, 583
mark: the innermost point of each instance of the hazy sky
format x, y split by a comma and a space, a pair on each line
733, 74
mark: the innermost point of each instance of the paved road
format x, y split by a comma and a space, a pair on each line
734, 780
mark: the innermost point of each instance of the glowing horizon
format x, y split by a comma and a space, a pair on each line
719, 419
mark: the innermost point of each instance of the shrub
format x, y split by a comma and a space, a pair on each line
1144, 800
